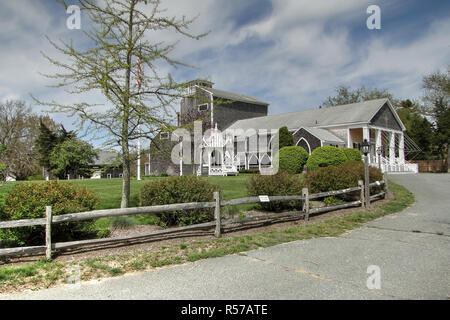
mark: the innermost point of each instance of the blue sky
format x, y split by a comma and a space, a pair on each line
290, 53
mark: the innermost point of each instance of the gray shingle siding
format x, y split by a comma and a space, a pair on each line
228, 113
386, 119
313, 141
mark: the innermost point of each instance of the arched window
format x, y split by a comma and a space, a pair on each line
304, 144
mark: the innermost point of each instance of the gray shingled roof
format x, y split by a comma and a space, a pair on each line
234, 96
324, 135
105, 158
344, 114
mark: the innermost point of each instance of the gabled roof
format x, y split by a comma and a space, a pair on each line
105, 158
233, 96
362, 112
324, 135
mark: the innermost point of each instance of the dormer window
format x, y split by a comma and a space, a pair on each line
203, 107
165, 136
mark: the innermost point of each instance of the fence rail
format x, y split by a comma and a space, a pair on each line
218, 224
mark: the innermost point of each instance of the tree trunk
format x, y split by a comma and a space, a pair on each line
125, 118
126, 174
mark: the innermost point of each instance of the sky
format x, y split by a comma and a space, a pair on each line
292, 54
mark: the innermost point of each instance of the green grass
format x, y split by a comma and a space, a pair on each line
43, 274
109, 191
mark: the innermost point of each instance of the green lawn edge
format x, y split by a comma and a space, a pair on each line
45, 274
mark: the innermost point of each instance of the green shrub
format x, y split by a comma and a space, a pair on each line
28, 201
286, 138
280, 184
180, 190
36, 177
293, 159
249, 171
352, 154
324, 157
330, 201
340, 177
331, 179
164, 174
375, 174
105, 233
122, 222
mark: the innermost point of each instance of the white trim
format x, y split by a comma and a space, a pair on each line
309, 146
321, 141
385, 129
393, 111
351, 125
349, 139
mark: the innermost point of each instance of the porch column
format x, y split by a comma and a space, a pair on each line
392, 147
349, 139
378, 143
401, 148
366, 136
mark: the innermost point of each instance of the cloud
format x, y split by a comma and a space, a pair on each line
290, 53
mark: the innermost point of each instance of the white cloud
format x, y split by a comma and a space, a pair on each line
293, 57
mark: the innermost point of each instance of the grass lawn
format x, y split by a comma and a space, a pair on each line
45, 274
109, 191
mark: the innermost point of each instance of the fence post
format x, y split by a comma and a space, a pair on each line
361, 185
48, 232
217, 232
386, 187
305, 195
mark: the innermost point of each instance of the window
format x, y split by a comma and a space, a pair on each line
165, 136
203, 107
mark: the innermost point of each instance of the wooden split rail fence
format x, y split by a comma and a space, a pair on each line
218, 222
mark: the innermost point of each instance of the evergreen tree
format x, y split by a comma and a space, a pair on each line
46, 141
286, 138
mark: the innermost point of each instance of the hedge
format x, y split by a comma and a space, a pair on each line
292, 159
325, 156
352, 154
281, 184
28, 201
340, 177
180, 190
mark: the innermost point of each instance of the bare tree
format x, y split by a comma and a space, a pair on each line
119, 46
19, 129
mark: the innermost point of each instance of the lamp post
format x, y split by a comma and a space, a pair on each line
365, 150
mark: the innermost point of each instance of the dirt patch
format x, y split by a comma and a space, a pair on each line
88, 252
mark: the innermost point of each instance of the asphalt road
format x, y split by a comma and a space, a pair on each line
411, 250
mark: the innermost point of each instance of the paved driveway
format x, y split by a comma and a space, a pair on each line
411, 250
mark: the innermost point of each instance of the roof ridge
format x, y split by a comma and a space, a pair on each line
314, 109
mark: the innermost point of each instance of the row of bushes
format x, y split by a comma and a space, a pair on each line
28, 201
294, 158
323, 179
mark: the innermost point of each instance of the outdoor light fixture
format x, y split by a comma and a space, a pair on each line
365, 150
379, 151
365, 147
